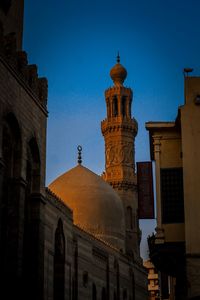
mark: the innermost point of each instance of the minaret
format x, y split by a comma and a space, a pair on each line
119, 130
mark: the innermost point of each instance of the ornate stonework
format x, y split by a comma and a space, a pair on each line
119, 130
119, 153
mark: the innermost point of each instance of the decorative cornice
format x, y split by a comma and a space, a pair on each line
123, 185
58, 202
93, 237
99, 253
38, 197
119, 124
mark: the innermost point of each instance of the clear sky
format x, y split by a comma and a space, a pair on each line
75, 43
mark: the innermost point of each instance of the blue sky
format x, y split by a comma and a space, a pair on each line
75, 43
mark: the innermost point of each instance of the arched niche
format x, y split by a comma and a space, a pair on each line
11, 146
12, 166
33, 170
59, 262
94, 292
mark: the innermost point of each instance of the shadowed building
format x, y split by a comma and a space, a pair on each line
175, 146
79, 238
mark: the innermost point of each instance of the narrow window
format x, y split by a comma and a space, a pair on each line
125, 294
130, 108
103, 294
115, 107
124, 107
108, 109
133, 285
114, 296
94, 292
59, 263
129, 217
172, 195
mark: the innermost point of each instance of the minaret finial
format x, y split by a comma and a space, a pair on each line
79, 148
118, 57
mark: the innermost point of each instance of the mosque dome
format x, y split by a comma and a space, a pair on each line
118, 73
97, 208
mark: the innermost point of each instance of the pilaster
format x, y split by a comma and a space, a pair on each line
12, 250
36, 246
157, 151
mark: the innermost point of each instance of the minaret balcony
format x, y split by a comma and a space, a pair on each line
119, 123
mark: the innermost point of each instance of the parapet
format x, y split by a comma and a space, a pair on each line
18, 61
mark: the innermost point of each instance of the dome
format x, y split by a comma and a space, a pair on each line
118, 73
96, 207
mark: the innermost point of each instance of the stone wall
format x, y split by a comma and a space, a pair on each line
23, 113
89, 263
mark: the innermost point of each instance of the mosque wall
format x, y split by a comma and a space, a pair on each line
17, 99
92, 267
22, 168
110, 271
56, 212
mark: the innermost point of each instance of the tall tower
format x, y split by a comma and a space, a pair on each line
119, 130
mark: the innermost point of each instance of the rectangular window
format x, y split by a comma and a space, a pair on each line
172, 195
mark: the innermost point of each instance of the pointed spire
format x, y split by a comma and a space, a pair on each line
118, 58
79, 148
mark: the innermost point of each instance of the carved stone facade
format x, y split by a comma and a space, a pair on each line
119, 130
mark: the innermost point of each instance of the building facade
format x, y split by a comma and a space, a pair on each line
60, 242
174, 146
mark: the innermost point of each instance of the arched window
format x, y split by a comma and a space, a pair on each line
129, 216
115, 296
130, 108
115, 107
103, 294
32, 185
11, 155
33, 159
94, 292
59, 263
133, 285
73, 289
11, 147
108, 108
125, 294
123, 106
116, 267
